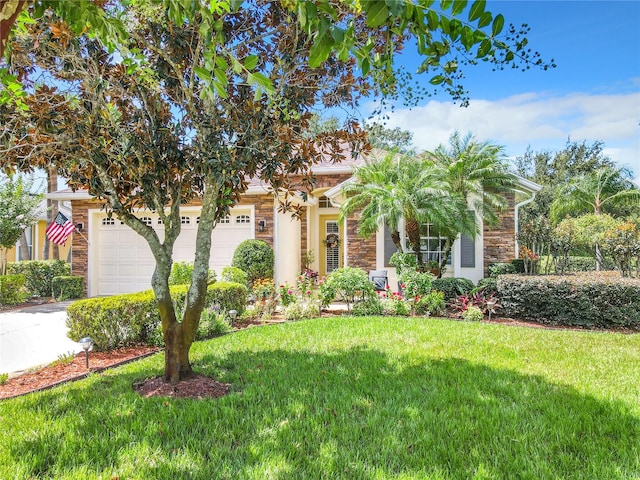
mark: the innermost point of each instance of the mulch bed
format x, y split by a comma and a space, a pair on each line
196, 386
59, 372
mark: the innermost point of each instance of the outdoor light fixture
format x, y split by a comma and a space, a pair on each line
490, 304
233, 314
87, 343
261, 226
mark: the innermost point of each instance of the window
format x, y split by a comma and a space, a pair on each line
108, 221
225, 219
243, 219
332, 229
185, 220
159, 221
432, 244
147, 221
324, 202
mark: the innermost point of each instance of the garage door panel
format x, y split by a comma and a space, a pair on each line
125, 263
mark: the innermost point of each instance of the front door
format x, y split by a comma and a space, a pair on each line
330, 244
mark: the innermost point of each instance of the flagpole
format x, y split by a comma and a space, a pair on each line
81, 234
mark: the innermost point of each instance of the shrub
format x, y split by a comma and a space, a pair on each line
181, 273
114, 321
487, 285
431, 304
228, 295
66, 287
40, 273
518, 264
587, 300
414, 283
133, 318
213, 323
346, 284
300, 310
255, 257
496, 269
235, 274
394, 304
473, 314
367, 307
4, 377
452, 287
402, 260
12, 289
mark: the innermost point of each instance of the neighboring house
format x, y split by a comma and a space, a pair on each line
35, 238
114, 259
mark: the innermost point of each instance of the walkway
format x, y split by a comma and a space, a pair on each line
34, 336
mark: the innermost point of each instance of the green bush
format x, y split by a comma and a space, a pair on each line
518, 264
181, 274
213, 323
431, 304
12, 289
346, 284
487, 285
228, 295
133, 318
368, 307
235, 274
39, 274
496, 269
452, 287
473, 314
115, 321
255, 257
66, 287
414, 283
588, 300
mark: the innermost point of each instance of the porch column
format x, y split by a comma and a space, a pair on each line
287, 248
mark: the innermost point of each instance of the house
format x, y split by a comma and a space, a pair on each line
114, 259
35, 238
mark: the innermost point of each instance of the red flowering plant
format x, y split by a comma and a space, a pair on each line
287, 294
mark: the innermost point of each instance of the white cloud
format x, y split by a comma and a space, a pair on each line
542, 120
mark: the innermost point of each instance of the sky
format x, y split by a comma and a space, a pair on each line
593, 94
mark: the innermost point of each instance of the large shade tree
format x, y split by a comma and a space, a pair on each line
205, 95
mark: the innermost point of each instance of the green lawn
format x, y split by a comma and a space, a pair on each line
351, 398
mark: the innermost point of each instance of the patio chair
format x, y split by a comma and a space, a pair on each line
379, 279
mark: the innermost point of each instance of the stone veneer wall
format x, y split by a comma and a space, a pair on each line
361, 252
79, 245
499, 241
263, 211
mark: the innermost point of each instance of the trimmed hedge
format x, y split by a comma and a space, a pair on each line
39, 274
66, 287
132, 318
586, 300
12, 289
496, 269
452, 287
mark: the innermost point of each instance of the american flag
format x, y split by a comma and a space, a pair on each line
60, 229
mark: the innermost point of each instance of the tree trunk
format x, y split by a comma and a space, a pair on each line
413, 234
447, 253
395, 236
25, 253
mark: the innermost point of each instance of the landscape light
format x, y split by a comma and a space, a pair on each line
87, 343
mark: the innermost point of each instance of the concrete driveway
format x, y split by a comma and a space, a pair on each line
34, 336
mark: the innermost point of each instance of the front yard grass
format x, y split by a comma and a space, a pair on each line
370, 398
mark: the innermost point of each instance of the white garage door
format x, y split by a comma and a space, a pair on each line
124, 262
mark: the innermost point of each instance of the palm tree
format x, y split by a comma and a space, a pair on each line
607, 190
603, 191
478, 178
392, 189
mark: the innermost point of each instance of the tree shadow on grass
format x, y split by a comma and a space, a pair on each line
357, 413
